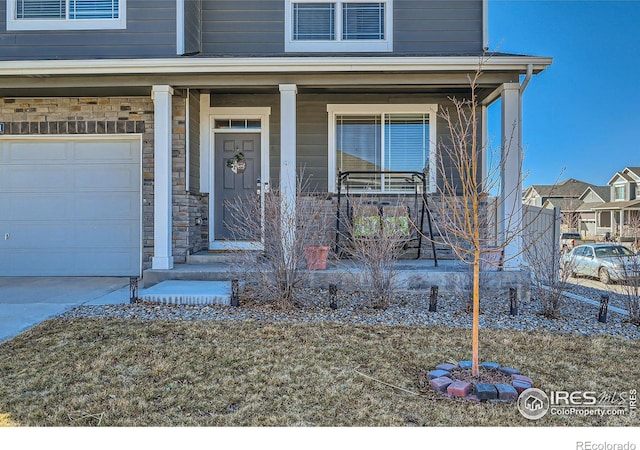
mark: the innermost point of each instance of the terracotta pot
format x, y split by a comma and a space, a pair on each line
316, 256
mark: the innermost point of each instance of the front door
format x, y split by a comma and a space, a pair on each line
230, 185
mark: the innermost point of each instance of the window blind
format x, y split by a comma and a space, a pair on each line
67, 9
406, 142
362, 21
41, 9
313, 21
93, 9
358, 142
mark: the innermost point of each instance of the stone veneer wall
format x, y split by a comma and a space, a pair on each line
121, 115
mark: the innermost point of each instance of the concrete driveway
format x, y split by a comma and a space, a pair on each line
27, 301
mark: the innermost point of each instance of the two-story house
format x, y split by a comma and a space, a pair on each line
619, 218
118, 117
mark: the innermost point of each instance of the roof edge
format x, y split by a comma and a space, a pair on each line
273, 65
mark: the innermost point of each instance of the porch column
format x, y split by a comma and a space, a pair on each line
288, 93
511, 174
162, 221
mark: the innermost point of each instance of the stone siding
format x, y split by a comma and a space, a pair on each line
121, 115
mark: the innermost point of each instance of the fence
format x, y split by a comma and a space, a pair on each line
541, 234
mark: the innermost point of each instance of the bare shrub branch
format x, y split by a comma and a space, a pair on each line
278, 272
377, 235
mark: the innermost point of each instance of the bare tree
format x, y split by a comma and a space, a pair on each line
550, 276
469, 221
630, 266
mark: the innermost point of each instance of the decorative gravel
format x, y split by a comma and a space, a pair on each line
409, 308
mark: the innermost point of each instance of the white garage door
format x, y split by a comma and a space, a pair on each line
70, 207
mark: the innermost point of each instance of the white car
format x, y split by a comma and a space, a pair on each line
608, 262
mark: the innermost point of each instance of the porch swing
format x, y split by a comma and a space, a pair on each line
376, 216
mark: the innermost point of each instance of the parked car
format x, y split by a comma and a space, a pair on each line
607, 262
570, 240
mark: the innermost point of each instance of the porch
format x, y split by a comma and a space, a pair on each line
450, 276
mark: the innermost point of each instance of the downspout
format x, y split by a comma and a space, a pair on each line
187, 138
485, 25
523, 86
527, 78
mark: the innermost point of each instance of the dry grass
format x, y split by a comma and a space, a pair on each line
93, 372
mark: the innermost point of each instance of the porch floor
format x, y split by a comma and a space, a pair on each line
411, 275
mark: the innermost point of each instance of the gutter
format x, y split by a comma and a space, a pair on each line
157, 66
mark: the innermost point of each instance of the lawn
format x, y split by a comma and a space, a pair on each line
97, 372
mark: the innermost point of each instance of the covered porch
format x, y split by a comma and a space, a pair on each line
294, 112
618, 221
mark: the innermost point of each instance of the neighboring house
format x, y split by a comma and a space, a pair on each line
619, 218
565, 195
117, 118
593, 197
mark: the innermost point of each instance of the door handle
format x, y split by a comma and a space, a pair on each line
6, 236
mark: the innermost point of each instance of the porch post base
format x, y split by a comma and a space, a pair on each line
162, 262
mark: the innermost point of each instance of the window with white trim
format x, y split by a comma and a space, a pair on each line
338, 25
619, 192
381, 138
66, 14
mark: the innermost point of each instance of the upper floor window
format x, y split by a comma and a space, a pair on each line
339, 26
65, 14
619, 193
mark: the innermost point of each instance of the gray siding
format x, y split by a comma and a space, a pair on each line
432, 27
193, 26
239, 28
421, 27
150, 32
194, 141
592, 198
312, 126
243, 27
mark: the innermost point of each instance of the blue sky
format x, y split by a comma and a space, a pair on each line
581, 117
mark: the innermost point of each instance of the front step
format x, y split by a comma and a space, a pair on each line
180, 292
219, 256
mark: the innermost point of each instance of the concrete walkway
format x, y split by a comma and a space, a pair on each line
27, 301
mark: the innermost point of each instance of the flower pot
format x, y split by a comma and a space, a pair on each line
316, 256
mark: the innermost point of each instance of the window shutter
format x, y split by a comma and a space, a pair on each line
313, 21
363, 21
40, 9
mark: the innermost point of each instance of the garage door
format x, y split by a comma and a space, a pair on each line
70, 207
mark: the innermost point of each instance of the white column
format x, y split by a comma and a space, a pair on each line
511, 174
162, 221
288, 93
484, 115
